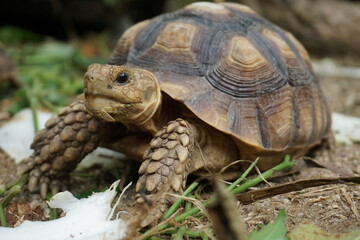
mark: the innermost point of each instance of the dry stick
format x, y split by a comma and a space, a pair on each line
287, 163
249, 197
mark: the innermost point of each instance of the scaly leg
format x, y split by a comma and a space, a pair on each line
68, 137
166, 166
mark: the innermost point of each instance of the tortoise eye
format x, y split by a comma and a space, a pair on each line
122, 78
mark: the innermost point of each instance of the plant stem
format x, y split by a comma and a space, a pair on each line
287, 163
176, 205
246, 185
204, 236
33, 106
250, 183
2, 216
191, 233
181, 231
14, 189
179, 234
154, 238
243, 176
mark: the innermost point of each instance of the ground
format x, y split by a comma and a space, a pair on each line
334, 208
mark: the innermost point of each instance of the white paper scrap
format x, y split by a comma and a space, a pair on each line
85, 219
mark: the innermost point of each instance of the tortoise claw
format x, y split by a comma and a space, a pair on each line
55, 186
42, 184
44, 187
34, 180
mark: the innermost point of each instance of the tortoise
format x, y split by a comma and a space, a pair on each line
189, 92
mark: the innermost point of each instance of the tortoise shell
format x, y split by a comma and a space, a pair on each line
234, 70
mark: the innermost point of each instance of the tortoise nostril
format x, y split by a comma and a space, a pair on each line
89, 77
109, 86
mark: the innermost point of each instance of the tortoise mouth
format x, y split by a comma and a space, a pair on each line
101, 96
103, 106
107, 98
108, 108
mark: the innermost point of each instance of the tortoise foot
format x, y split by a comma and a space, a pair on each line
164, 167
154, 206
66, 139
38, 182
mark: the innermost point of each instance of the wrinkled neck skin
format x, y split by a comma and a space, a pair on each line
147, 120
165, 112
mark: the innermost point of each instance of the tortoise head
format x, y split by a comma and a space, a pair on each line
121, 93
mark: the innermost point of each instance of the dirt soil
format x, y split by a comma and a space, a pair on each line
334, 208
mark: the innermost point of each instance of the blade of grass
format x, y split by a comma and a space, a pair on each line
3, 221
191, 233
284, 165
204, 236
13, 189
155, 238
287, 163
33, 106
20, 181
179, 234
243, 176
181, 231
177, 203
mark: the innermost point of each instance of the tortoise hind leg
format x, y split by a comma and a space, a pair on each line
166, 166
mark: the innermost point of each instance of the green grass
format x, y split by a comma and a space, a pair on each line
240, 185
52, 73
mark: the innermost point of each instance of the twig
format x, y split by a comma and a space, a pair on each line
351, 202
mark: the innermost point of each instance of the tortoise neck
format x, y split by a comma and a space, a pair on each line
144, 120
148, 113
163, 114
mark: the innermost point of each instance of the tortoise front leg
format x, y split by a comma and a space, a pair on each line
66, 139
166, 166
